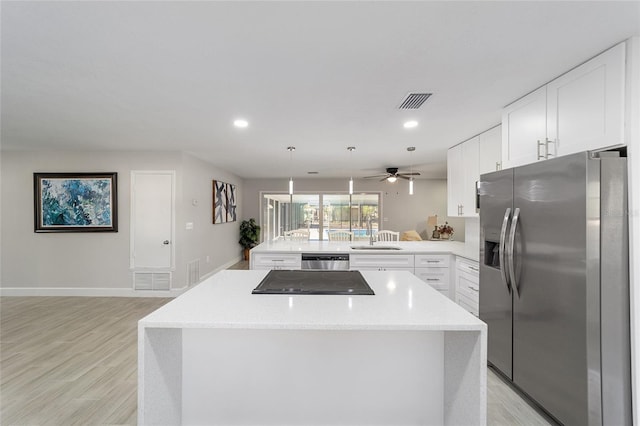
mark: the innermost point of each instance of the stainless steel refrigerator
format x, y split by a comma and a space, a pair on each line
554, 284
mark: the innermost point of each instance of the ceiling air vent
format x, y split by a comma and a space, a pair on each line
414, 100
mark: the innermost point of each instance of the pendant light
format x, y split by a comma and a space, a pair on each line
291, 149
351, 149
411, 149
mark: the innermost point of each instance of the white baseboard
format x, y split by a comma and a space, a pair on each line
220, 268
87, 292
105, 292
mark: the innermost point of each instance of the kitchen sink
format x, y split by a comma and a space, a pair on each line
376, 248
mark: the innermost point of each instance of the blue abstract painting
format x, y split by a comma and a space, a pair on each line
75, 203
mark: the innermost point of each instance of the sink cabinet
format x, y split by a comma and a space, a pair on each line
381, 262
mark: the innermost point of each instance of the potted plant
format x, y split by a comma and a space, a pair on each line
446, 231
249, 235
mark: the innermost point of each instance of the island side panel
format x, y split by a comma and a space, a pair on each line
159, 376
330, 377
465, 388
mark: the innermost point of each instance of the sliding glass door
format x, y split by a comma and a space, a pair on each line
319, 213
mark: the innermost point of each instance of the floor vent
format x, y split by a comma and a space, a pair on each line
152, 280
414, 100
193, 272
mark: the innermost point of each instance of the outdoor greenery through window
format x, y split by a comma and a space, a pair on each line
318, 213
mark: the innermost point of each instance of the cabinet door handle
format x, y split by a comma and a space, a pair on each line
433, 279
555, 148
474, 289
473, 268
433, 261
498, 165
541, 156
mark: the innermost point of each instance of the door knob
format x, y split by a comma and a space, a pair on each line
165, 242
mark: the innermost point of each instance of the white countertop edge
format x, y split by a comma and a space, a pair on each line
317, 327
456, 248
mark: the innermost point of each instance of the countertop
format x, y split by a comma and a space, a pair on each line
402, 302
457, 248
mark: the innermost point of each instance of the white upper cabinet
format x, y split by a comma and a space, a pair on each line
490, 156
585, 107
524, 129
580, 110
455, 175
462, 175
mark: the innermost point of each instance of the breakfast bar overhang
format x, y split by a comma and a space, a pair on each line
221, 355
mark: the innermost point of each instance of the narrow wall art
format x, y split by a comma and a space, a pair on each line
75, 202
224, 202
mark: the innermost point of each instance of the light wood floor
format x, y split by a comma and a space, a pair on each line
73, 361
70, 360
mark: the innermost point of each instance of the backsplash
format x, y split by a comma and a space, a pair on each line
472, 233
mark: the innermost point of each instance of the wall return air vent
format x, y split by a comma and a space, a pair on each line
414, 100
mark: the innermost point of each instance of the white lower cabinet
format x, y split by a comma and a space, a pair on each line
381, 262
275, 261
437, 278
434, 270
468, 285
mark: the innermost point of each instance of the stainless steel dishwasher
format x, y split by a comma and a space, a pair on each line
323, 261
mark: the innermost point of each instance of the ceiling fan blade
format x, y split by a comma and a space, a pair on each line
375, 176
409, 174
402, 176
383, 179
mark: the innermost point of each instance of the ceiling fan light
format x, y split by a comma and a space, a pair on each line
392, 179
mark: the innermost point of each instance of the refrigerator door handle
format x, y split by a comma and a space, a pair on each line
510, 251
502, 247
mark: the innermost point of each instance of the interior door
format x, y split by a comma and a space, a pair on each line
152, 219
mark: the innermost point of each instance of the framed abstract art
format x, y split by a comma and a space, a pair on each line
75, 202
224, 202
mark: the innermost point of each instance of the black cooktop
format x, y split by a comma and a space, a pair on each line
313, 282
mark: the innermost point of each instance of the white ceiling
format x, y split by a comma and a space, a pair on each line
320, 76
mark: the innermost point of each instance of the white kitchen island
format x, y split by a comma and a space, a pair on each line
221, 355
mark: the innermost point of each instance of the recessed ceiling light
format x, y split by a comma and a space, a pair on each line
241, 123
410, 124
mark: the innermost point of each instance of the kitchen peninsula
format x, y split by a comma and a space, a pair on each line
221, 355
456, 248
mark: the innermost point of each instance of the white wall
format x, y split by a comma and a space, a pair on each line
98, 263
403, 212
219, 241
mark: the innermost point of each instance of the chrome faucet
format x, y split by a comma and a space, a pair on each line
370, 230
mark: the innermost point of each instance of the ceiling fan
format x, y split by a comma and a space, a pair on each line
392, 175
